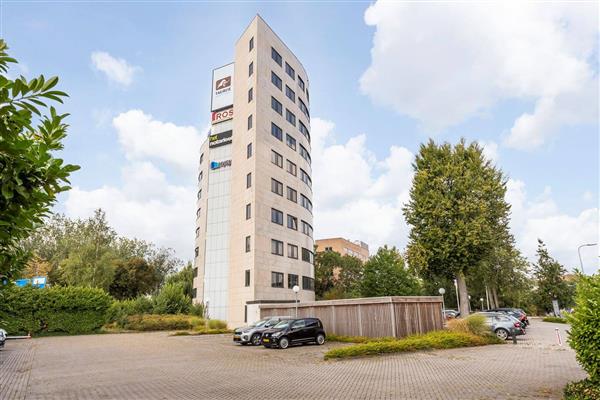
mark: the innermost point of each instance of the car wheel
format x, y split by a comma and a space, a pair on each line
320, 339
255, 339
284, 343
502, 333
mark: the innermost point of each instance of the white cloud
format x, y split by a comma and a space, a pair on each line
147, 204
142, 137
117, 70
563, 233
444, 63
490, 150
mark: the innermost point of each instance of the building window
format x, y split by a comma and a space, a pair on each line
251, 68
249, 121
292, 280
201, 157
290, 141
304, 130
250, 95
277, 158
194, 293
275, 80
276, 216
301, 83
196, 251
276, 131
307, 229
308, 283
290, 71
292, 195
251, 44
290, 93
199, 194
292, 251
248, 211
292, 222
249, 150
276, 56
248, 180
195, 272
305, 154
197, 232
198, 211
276, 187
277, 279
247, 278
305, 177
305, 202
276, 105
200, 176
307, 96
290, 117
247, 244
276, 247
303, 108
291, 167
307, 255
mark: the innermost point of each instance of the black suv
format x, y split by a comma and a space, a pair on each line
294, 331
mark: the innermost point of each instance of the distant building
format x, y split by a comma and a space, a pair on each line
345, 247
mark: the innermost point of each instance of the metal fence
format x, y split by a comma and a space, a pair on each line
397, 316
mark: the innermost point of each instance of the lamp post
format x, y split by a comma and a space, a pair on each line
579, 253
457, 298
296, 289
206, 316
469, 304
442, 291
481, 299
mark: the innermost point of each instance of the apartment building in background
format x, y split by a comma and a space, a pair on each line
343, 246
254, 222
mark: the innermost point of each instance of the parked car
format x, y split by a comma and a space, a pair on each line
503, 325
450, 314
2, 337
294, 331
515, 312
253, 332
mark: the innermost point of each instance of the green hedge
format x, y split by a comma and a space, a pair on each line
582, 390
557, 320
73, 310
428, 341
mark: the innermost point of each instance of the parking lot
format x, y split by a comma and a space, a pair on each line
158, 366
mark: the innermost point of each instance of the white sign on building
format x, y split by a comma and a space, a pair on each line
222, 87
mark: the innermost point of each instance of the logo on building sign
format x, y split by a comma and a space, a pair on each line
220, 139
223, 115
220, 164
222, 84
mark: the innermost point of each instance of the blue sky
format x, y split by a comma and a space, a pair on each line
383, 79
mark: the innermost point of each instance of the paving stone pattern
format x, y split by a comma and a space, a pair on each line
156, 366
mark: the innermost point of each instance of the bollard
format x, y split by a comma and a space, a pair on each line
513, 332
558, 338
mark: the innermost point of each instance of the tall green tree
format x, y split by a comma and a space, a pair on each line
386, 275
350, 276
325, 264
31, 175
133, 278
456, 211
184, 278
550, 281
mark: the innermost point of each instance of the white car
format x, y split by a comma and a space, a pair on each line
2, 337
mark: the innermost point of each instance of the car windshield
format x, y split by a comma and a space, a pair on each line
260, 323
282, 324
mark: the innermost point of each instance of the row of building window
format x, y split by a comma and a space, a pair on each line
290, 167
292, 194
288, 69
277, 133
308, 283
292, 222
289, 92
292, 251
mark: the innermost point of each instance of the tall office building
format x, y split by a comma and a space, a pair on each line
254, 210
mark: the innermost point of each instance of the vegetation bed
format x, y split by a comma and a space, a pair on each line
558, 320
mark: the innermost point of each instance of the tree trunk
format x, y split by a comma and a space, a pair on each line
463, 294
495, 297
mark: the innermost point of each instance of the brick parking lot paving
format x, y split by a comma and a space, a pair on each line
157, 366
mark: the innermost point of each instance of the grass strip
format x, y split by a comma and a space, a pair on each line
558, 320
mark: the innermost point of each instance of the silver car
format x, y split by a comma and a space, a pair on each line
253, 332
2, 337
503, 325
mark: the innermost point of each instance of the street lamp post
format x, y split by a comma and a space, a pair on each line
442, 291
469, 304
579, 253
481, 299
457, 298
296, 289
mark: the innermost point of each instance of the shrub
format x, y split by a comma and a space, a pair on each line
428, 341
120, 309
357, 339
582, 390
154, 322
71, 309
172, 300
197, 310
558, 320
217, 324
473, 324
584, 336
